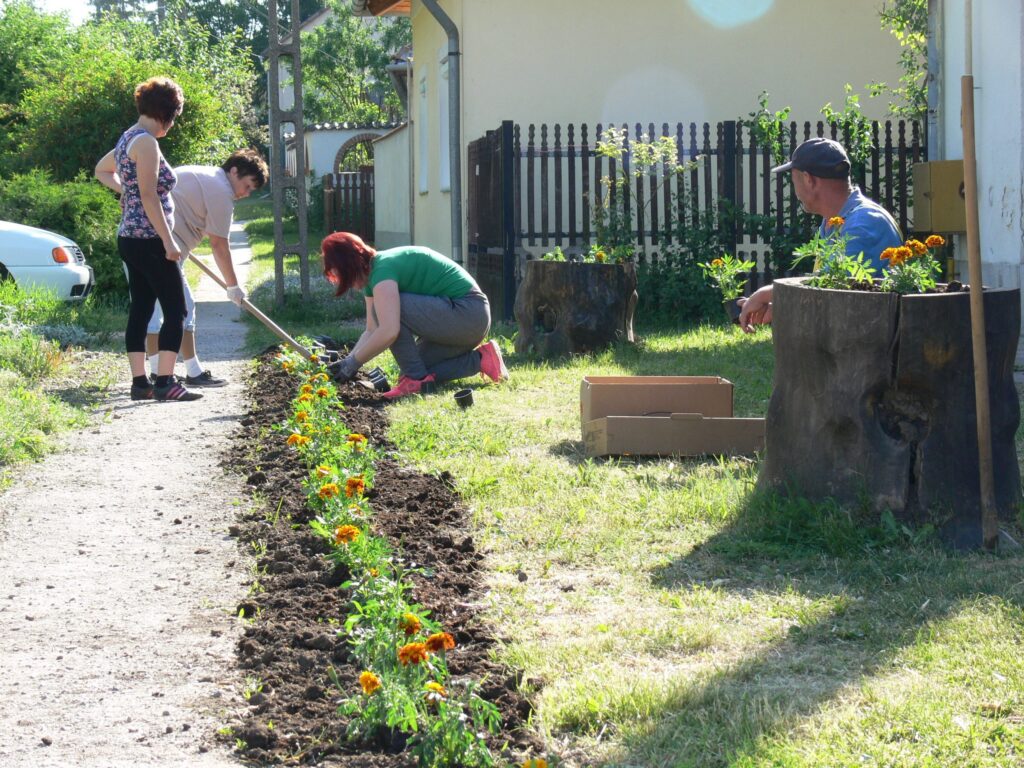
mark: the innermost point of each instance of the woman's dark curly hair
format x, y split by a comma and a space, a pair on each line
346, 259
160, 98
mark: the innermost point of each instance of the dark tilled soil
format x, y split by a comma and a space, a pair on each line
298, 602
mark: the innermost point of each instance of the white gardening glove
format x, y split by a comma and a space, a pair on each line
236, 294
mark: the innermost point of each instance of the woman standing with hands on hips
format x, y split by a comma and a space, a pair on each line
421, 305
135, 168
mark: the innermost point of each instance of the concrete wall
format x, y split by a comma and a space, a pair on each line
998, 60
391, 182
657, 61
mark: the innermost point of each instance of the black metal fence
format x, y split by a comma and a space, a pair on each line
533, 188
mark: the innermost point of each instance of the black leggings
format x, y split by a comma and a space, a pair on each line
152, 278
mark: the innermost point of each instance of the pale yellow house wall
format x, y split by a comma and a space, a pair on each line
391, 173
432, 218
574, 61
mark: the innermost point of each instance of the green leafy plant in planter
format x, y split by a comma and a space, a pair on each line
595, 254
727, 273
913, 266
833, 266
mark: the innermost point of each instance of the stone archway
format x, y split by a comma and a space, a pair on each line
348, 146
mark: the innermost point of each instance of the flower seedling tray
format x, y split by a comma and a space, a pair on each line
664, 416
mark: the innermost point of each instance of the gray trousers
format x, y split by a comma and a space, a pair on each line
439, 335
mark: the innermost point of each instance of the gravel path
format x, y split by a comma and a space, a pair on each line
118, 580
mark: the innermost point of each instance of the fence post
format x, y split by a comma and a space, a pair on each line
328, 203
508, 220
727, 182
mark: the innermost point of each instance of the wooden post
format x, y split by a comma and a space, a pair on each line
989, 518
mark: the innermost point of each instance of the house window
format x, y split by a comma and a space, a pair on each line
422, 137
445, 169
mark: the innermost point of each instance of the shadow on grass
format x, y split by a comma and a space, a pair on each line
876, 586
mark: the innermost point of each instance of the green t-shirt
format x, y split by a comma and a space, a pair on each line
419, 270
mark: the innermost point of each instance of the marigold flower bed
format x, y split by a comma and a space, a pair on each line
298, 613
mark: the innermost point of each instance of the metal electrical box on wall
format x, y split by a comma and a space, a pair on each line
939, 196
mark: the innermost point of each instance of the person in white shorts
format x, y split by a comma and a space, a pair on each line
204, 205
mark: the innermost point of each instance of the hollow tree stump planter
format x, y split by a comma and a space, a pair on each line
565, 307
874, 401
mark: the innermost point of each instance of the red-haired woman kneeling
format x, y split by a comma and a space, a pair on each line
421, 305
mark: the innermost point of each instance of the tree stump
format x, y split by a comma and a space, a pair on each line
565, 307
874, 401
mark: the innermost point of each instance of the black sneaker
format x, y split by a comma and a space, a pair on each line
174, 391
205, 379
152, 378
142, 393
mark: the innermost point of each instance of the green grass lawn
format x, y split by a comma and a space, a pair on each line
49, 380
664, 614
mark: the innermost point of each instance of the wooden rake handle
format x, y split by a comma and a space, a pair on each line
255, 312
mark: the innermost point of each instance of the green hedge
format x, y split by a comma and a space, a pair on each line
82, 210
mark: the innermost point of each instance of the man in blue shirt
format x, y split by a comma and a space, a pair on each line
820, 171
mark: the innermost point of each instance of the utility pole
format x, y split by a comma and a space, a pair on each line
280, 183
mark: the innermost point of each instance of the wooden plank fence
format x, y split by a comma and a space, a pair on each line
557, 174
349, 202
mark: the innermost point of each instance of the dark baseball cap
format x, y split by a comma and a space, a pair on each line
823, 158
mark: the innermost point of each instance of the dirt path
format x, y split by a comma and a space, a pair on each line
118, 580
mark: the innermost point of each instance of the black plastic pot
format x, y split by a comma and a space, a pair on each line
464, 397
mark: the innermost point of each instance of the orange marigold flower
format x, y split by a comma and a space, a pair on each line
888, 253
374, 573
355, 486
323, 392
435, 690
935, 241
370, 682
600, 256
537, 762
301, 416
323, 471
905, 253
413, 653
307, 398
305, 389
917, 247
441, 641
836, 222
717, 262
410, 623
328, 490
345, 534
287, 366
356, 439
296, 439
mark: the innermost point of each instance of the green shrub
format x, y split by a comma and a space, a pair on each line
27, 419
75, 115
81, 210
29, 306
31, 356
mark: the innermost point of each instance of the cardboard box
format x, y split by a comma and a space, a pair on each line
664, 415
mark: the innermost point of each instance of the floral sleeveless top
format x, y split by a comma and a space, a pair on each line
134, 222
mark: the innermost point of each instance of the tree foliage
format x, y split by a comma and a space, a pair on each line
73, 115
907, 20
343, 67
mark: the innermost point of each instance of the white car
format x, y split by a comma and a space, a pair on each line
37, 257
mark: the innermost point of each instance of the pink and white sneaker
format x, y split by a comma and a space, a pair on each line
408, 386
492, 366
